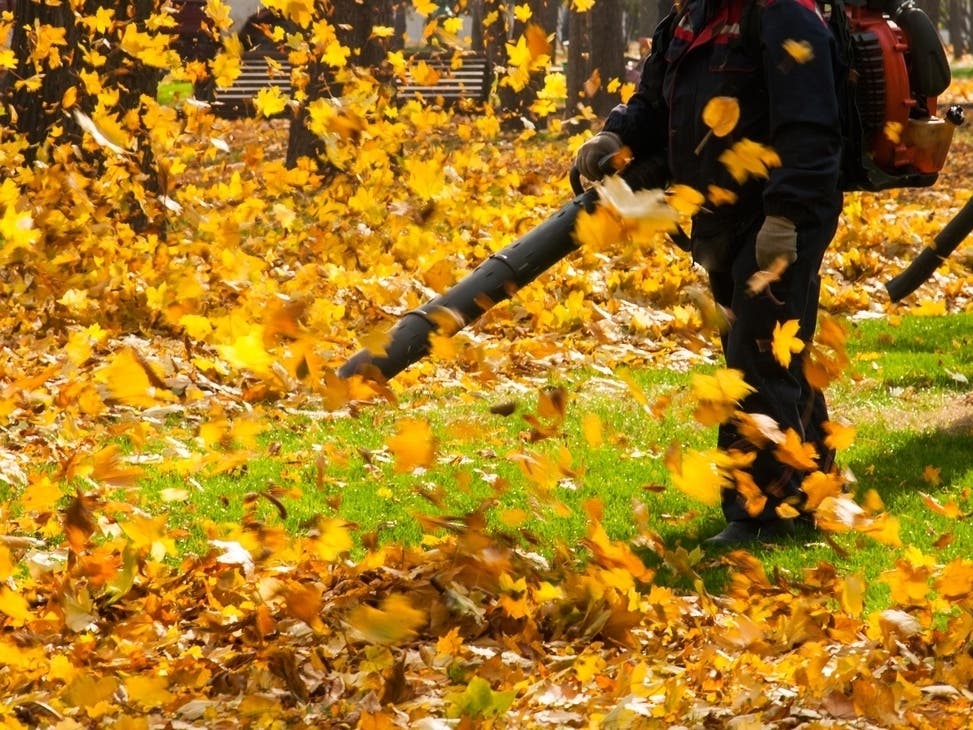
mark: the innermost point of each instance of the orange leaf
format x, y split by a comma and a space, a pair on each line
796, 453
413, 445
839, 436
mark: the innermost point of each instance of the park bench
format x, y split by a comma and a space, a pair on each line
260, 68
467, 80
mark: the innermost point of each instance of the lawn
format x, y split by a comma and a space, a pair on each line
504, 450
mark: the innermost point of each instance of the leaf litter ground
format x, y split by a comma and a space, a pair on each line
184, 350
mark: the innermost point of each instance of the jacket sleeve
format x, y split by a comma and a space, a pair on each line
643, 122
800, 62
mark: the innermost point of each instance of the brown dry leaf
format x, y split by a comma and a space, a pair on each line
592, 84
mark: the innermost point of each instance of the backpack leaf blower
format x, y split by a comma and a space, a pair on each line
893, 135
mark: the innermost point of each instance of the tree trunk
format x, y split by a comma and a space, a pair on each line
578, 55
353, 21
931, 8
607, 53
956, 29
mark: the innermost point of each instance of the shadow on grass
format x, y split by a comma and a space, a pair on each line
900, 466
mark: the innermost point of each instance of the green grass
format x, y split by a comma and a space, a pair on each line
174, 92
904, 392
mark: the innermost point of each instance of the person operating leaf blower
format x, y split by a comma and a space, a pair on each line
783, 223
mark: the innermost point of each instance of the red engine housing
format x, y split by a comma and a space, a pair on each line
899, 69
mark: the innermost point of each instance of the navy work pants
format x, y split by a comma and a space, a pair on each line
782, 393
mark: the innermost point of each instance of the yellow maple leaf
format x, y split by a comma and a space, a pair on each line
394, 622
425, 7
332, 539
956, 581
46, 42
148, 691
852, 594
753, 498
14, 606
152, 49
425, 177
720, 196
893, 132
413, 444
718, 395
17, 230
582, 6
747, 158
522, 12
818, 486
591, 427
423, 74
950, 509
684, 199
101, 21
932, 475
449, 644
270, 101
796, 453
247, 352
336, 55
598, 230
128, 380
884, 528
786, 341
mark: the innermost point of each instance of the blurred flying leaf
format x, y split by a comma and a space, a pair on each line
394, 622
413, 444
800, 51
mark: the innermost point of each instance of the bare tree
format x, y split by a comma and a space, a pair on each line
596, 54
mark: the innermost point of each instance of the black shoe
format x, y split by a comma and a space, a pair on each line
741, 532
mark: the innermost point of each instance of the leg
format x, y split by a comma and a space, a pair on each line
780, 393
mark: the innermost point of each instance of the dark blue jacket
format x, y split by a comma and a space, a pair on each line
787, 101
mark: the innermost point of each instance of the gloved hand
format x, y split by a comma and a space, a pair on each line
592, 152
776, 238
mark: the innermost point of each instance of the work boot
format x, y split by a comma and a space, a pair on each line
741, 532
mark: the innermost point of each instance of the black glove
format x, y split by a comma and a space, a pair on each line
592, 152
776, 238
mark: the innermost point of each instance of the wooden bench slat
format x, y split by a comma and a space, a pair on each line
468, 80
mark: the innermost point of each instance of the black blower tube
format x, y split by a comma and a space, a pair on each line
498, 277
493, 281
930, 257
